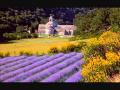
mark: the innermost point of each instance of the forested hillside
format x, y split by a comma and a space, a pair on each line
20, 19
97, 21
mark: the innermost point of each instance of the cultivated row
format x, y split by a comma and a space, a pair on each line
41, 68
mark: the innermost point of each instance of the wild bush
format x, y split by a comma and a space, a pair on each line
102, 57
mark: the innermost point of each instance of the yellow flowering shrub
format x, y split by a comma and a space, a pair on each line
109, 37
94, 70
112, 57
102, 57
92, 41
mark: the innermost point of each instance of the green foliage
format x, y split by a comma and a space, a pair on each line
4, 26
25, 35
19, 29
115, 28
95, 50
34, 35
97, 21
115, 16
99, 49
18, 36
11, 36
81, 45
113, 69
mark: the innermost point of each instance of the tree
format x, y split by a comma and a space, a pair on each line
19, 29
96, 20
115, 16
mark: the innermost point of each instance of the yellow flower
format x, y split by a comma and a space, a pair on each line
112, 57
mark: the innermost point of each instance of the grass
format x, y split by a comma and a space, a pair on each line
37, 45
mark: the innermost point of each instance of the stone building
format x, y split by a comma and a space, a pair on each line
52, 27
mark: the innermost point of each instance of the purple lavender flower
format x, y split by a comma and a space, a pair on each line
52, 69
19, 65
75, 77
10, 59
16, 62
62, 73
19, 70
38, 68
35, 67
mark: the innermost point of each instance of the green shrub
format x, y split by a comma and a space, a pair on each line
18, 36
95, 50
81, 45
34, 35
115, 28
113, 69
11, 36
25, 35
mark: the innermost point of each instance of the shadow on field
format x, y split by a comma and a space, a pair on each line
7, 42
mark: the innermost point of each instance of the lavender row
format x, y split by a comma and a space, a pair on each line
35, 70
16, 62
29, 69
20, 70
75, 77
11, 59
7, 58
20, 65
55, 77
53, 69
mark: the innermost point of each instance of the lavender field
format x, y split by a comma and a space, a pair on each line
56, 68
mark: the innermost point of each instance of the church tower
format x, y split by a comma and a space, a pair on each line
50, 26
51, 18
